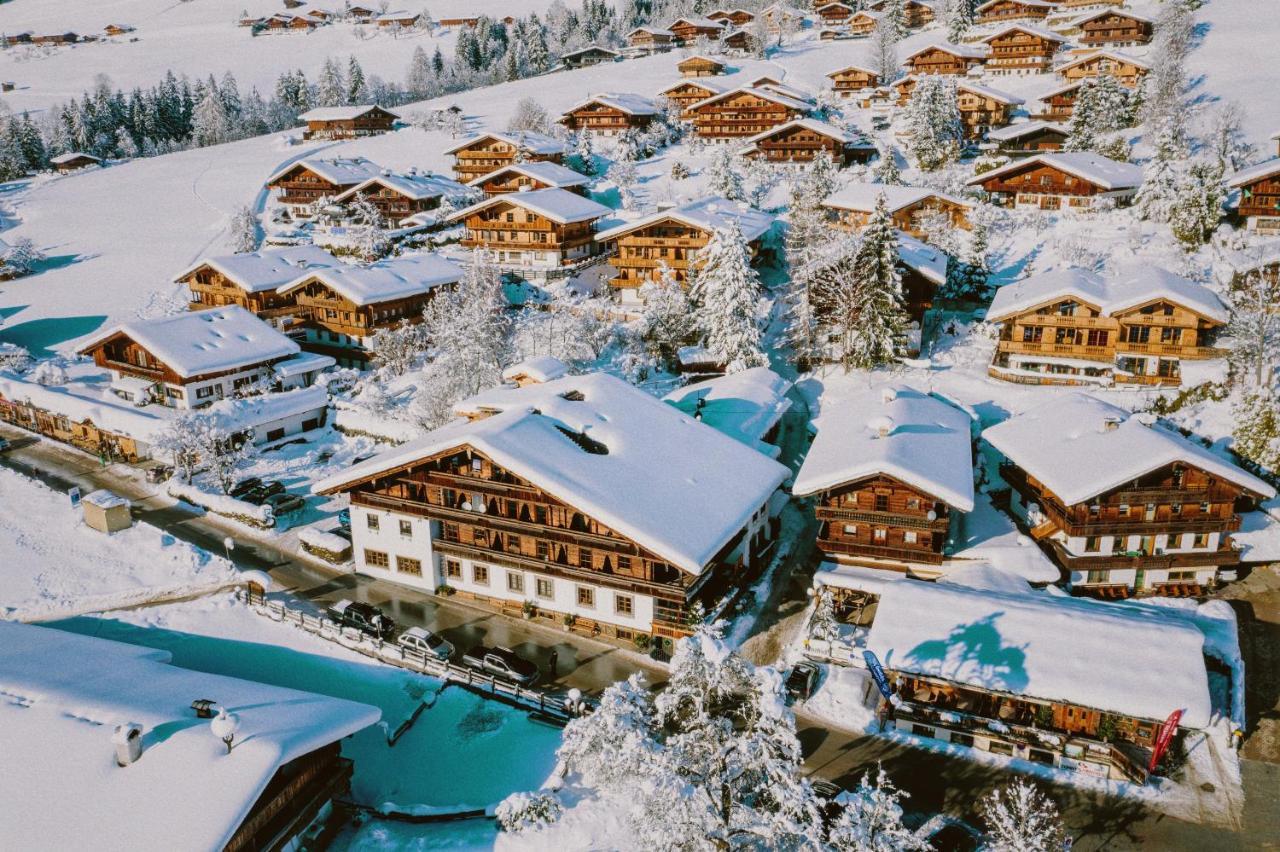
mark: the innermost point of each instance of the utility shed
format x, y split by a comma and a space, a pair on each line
106, 512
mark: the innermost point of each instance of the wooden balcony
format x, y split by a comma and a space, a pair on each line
888, 519
1173, 349
1148, 562
1101, 354
871, 551
129, 369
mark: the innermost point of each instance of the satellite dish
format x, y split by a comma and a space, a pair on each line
933, 516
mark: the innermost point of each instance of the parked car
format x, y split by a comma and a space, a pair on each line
502, 662
828, 795
5, 445
159, 473
948, 834
802, 680
344, 518
366, 618
342, 531
244, 486
425, 642
283, 504
259, 494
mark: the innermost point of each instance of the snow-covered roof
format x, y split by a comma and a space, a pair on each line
66, 693
901, 432
397, 16
783, 89
988, 92
525, 140
1133, 660
1024, 128
862, 197
658, 31
696, 21
543, 368
341, 113
964, 51
552, 174
194, 343
303, 362
709, 214
1095, 168
1112, 10
395, 278
1058, 90
1255, 173
842, 136
591, 48
412, 185
709, 84
743, 405
631, 104
1034, 4
558, 205
866, 69
257, 271
1080, 447
1104, 54
1134, 286
923, 258
673, 485
1038, 32
72, 156
760, 92
340, 171
701, 57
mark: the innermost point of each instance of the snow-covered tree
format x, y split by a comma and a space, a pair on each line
529, 115
824, 625
870, 819
583, 158
1256, 435
524, 811
935, 133
224, 452
679, 171
957, 17
884, 50
1227, 141
886, 168
396, 349
50, 372
370, 231
1162, 175
331, 88
624, 176
22, 258
617, 744
1166, 83
183, 440
1019, 818
357, 88
244, 230
210, 123
866, 289
14, 358
895, 13
571, 331
1254, 328
1197, 203
667, 315
727, 294
723, 176
420, 81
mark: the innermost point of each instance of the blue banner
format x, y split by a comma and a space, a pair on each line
877, 672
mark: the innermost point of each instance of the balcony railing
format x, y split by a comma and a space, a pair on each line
1146, 561
873, 551
920, 522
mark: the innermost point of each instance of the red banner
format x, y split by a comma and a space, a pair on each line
1163, 738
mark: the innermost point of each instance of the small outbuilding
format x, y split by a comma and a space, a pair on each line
106, 511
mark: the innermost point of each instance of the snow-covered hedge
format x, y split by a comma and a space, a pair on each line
221, 504
326, 545
522, 811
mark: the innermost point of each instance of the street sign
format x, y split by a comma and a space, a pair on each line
74, 494
1163, 738
877, 672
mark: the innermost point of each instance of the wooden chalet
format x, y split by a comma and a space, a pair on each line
1029, 137
944, 58
834, 33
361, 14
779, 16
304, 184
688, 30
890, 471
686, 93
645, 40
1084, 5
1076, 328
1128, 70
1132, 508
399, 196
575, 526
1259, 203
834, 13
800, 140
1115, 28
403, 20
672, 239
55, 38
610, 114
733, 17
915, 13
852, 206
1022, 49
1008, 11
479, 155
538, 233
903, 88
738, 42
527, 177
853, 79
1061, 181
863, 23
18, 409
744, 112
113, 30
283, 23
338, 308
347, 122
588, 56
983, 108
252, 280
700, 66
1059, 103
73, 161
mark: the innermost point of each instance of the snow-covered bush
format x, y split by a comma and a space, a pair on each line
50, 373
1019, 818
14, 358
524, 811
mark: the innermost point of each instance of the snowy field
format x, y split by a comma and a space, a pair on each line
58, 567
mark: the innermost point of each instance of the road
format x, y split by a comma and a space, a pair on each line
935, 782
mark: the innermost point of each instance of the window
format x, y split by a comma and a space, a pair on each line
513, 543
540, 514
406, 528
172, 392
480, 574
1092, 544
204, 392
850, 529
405, 565
1097, 576
543, 551
546, 588
913, 503
1176, 508
881, 534
376, 559
371, 521
1200, 540
584, 557
1206, 508
882, 502
515, 582
449, 532
624, 563
476, 464
909, 537
623, 604
586, 597
453, 569
1123, 510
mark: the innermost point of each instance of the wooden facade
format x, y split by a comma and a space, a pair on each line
862, 23
646, 40
687, 93
639, 254
735, 17
1128, 72
301, 186
1008, 11
1142, 345
503, 181
1060, 103
1167, 532
1021, 51
981, 111
1041, 185
907, 217
604, 118
84, 435
741, 114
941, 60
1115, 28
881, 519
1260, 201
853, 79
337, 326
514, 231
686, 31
393, 204
834, 13
489, 153
1042, 140
211, 289
700, 66
371, 122
799, 143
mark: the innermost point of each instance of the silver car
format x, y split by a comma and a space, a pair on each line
425, 642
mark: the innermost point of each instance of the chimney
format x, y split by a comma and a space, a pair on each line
883, 426
1111, 424
128, 742
888, 395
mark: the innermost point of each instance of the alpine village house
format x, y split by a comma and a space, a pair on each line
477, 156
1075, 327
953, 59
610, 114
852, 80
1124, 505
1115, 28
304, 185
536, 234
347, 122
252, 280
801, 139
546, 499
1022, 49
1259, 203
744, 112
1058, 181
526, 177
890, 470
1008, 11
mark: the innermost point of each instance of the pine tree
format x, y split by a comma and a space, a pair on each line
1197, 203
1256, 435
870, 819
667, 315
331, 89
726, 291
873, 320
421, 77
244, 231
584, 157
1020, 818
823, 625
884, 50
1255, 325
722, 175
885, 170
896, 14
933, 119
357, 88
212, 125
1162, 176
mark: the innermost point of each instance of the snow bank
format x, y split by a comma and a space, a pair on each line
221, 504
